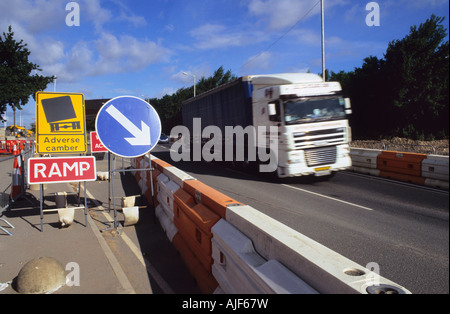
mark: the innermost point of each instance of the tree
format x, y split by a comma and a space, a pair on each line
406, 93
17, 83
417, 71
169, 107
365, 86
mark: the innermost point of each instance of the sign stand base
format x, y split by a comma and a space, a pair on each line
116, 224
42, 210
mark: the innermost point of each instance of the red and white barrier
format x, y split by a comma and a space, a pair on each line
7, 146
16, 185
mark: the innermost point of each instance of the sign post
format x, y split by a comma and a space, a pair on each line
128, 127
60, 129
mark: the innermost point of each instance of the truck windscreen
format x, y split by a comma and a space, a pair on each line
312, 109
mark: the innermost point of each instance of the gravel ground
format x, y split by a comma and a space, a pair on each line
440, 147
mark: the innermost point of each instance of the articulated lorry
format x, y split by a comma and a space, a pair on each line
294, 121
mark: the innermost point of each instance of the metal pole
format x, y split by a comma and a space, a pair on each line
85, 205
323, 39
114, 199
195, 94
79, 194
41, 212
109, 181
151, 178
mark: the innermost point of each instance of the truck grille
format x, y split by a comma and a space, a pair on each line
303, 140
320, 156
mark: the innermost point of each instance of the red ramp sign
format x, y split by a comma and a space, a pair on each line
61, 169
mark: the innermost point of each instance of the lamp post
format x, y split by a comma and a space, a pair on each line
189, 74
323, 39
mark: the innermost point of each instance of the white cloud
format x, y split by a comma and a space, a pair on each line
218, 36
261, 62
127, 15
80, 58
126, 53
34, 15
166, 91
282, 13
92, 11
306, 37
214, 36
201, 70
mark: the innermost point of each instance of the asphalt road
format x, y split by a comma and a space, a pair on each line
404, 228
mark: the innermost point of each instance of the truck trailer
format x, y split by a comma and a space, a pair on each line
296, 121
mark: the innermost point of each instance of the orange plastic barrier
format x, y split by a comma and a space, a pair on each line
160, 164
205, 280
196, 209
194, 222
209, 197
401, 166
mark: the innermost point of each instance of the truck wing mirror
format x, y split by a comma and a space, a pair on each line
348, 106
271, 109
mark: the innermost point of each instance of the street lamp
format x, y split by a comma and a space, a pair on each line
189, 74
322, 9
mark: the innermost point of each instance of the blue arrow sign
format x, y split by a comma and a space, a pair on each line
128, 126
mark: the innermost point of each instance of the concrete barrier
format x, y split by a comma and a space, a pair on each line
166, 223
435, 171
321, 268
239, 269
187, 224
233, 248
166, 189
365, 160
430, 170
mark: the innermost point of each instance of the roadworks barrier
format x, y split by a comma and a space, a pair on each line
321, 268
16, 184
401, 166
422, 169
435, 171
241, 270
14, 146
230, 247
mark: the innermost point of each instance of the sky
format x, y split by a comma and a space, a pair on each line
110, 48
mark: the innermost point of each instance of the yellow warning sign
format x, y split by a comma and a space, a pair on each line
60, 123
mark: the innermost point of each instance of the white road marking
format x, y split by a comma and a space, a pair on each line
328, 197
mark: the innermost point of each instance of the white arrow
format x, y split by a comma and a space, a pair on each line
141, 136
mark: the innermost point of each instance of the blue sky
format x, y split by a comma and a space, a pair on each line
141, 48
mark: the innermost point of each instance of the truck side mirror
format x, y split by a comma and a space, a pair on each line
348, 106
271, 109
